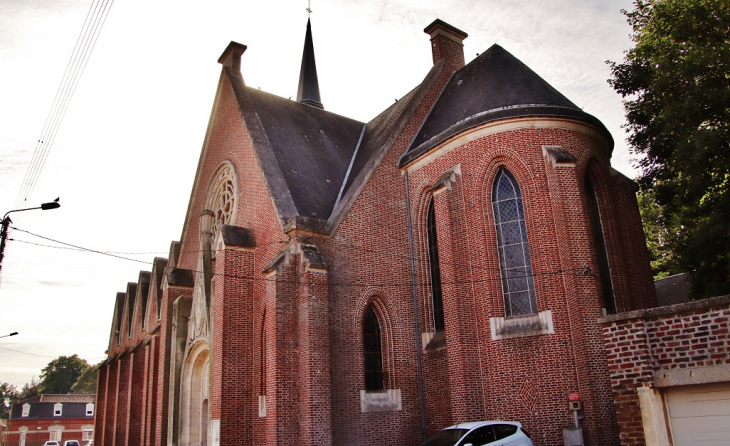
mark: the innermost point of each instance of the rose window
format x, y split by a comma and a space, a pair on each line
222, 198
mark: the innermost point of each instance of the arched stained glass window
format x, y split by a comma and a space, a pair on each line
515, 265
600, 245
372, 351
433, 258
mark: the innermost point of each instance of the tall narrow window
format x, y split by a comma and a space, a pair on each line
600, 246
433, 258
515, 265
373, 351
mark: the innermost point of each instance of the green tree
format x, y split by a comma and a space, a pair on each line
61, 373
8, 393
676, 88
661, 233
30, 389
86, 383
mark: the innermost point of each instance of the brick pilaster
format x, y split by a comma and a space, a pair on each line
233, 399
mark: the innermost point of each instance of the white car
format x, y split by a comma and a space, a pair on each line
51, 443
480, 433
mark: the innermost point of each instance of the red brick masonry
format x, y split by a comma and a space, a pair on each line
659, 347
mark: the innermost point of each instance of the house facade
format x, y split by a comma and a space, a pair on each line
43, 418
369, 283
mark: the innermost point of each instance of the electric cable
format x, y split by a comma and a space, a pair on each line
578, 272
85, 44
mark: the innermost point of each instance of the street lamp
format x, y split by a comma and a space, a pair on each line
6, 223
11, 334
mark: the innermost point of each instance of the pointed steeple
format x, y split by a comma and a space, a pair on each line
308, 92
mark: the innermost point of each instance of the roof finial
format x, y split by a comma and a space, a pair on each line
309, 8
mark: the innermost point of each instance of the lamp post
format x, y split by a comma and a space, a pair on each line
6, 223
11, 334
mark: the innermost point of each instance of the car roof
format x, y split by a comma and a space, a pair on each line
475, 424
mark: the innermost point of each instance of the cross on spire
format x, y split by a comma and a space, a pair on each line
309, 8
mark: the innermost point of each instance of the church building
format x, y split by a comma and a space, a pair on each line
340, 282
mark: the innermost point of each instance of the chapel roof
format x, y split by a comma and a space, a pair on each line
305, 151
496, 85
316, 161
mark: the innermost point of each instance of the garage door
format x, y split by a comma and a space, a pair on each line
700, 415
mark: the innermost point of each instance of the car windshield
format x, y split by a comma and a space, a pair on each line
446, 437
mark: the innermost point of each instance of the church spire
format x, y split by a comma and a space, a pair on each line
308, 92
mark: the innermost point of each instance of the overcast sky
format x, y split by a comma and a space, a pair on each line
124, 159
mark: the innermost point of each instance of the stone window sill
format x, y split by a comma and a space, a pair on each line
517, 327
382, 401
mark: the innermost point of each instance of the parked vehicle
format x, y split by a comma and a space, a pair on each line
51, 443
479, 433
71, 443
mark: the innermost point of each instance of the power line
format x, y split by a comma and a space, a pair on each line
576, 271
85, 43
71, 247
46, 356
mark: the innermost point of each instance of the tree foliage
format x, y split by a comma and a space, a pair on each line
676, 85
660, 233
8, 393
29, 390
86, 382
61, 373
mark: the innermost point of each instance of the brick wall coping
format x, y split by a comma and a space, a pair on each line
669, 309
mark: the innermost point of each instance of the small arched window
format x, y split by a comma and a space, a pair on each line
599, 244
515, 264
433, 258
372, 351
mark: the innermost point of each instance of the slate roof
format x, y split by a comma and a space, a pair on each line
308, 91
315, 161
41, 406
496, 85
61, 398
312, 148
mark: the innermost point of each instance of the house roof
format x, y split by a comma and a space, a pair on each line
62, 398
496, 85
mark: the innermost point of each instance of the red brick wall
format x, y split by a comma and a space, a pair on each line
644, 344
528, 378
232, 393
137, 394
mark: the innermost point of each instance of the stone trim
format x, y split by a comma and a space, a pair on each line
382, 401
238, 236
446, 180
517, 327
558, 156
694, 375
670, 309
433, 341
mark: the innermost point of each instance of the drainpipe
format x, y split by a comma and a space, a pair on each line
415, 311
